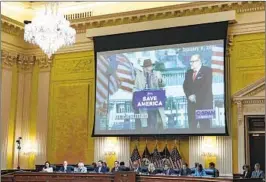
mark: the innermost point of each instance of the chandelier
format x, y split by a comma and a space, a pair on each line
50, 30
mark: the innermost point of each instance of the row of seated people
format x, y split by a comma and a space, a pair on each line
257, 173
101, 167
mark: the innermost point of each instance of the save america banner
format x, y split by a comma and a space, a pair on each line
149, 99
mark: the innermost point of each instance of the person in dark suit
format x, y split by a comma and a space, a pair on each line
185, 171
246, 172
116, 167
167, 170
198, 90
100, 168
65, 168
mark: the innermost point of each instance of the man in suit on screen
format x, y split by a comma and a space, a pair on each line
198, 90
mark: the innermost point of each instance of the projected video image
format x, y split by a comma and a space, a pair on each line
174, 89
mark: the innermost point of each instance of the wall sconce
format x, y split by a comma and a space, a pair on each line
110, 148
209, 148
29, 148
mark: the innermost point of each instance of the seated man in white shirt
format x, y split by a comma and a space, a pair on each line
47, 167
80, 168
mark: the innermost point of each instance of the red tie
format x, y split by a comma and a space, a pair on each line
194, 75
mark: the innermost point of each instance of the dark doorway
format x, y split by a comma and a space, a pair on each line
257, 150
256, 141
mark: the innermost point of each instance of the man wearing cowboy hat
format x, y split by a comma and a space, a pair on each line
149, 79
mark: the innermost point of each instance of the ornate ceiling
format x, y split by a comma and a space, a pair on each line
21, 11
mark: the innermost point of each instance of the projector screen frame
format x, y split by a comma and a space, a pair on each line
226, 104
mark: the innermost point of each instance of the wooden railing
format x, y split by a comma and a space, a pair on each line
117, 177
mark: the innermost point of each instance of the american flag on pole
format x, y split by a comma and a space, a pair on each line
146, 153
135, 157
113, 73
165, 154
156, 158
218, 59
176, 158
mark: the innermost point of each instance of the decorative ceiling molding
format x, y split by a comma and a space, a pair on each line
180, 10
23, 61
11, 26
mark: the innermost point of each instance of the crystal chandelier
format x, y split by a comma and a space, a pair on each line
50, 30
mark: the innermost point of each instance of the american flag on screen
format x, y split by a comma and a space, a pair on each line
176, 158
156, 158
218, 59
113, 73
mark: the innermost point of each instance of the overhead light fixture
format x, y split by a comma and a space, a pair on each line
50, 30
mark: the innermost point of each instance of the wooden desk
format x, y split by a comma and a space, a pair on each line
93, 177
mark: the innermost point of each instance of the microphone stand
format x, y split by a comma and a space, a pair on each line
18, 141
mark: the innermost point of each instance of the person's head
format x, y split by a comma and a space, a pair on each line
246, 167
47, 164
200, 168
94, 164
211, 165
100, 163
257, 166
195, 62
116, 164
151, 167
196, 164
166, 166
122, 163
65, 163
104, 164
147, 65
185, 166
135, 164
80, 165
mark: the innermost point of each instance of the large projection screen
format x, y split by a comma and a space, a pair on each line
163, 89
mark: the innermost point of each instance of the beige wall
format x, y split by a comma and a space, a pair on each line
6, 86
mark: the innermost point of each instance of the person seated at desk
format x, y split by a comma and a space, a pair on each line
65, 168
105, 165
122, 167
136, 167
168, 170
246, 172
185, 171
215, 171
47, 167
116, 167
100, 168
151, 168
200, 171
81, 168
257, 173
